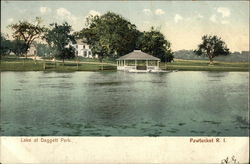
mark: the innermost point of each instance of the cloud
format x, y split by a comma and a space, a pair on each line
45, 10
94, 13
10, 20
177, 18
64, 13
147, 11
159, 12
224, 11
156, 12
213, 18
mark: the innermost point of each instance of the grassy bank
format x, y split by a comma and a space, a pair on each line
17, 64
12, 63
201, 65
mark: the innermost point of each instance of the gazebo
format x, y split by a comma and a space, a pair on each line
138, 61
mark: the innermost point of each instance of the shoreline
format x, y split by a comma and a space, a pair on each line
20, 65
171, 70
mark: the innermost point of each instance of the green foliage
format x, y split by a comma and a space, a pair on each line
27, 32
41, 49
59, 37
18, 47
154, 43
110, 35
68, 53
212, 46
44, 50
5, 46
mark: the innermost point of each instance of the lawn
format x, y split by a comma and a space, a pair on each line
12, 63
201, 65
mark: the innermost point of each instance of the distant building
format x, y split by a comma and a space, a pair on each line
82, 49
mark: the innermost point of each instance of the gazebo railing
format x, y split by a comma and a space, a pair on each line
152, 68
126, 68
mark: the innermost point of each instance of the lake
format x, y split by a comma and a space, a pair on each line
124, 104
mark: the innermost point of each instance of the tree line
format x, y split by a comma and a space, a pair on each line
109, 36
233, 57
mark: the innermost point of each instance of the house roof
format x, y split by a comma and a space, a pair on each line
81, 41
138, 55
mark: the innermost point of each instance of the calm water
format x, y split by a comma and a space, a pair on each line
124, 104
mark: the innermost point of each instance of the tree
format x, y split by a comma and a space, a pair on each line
18, 47
5, 45
44, 49
212, 46
60, 37
27, 32
154, 43
110, 35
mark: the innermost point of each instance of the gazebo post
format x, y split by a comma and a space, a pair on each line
135, 64
147, 64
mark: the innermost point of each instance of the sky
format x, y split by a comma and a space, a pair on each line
182, 23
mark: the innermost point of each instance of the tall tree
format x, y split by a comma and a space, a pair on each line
154, 43
110, 35
27, 32
212, 46
60, 37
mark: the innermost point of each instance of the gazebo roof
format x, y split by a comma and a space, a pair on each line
138, 55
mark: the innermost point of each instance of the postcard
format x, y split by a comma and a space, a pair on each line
124, 82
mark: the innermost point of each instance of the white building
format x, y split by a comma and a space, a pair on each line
82, 49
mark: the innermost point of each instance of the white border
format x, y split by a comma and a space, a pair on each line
123, 150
